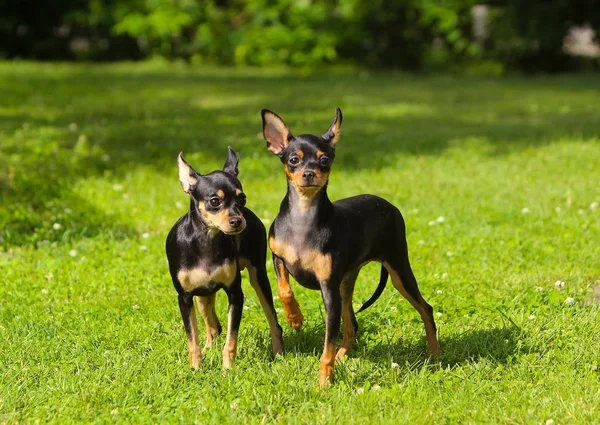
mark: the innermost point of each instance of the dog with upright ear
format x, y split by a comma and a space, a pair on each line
231, 164
324, 244
208, 247
188, 177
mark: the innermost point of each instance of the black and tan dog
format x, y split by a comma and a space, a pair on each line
208, 247
323, 245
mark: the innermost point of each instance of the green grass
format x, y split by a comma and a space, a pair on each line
89, 325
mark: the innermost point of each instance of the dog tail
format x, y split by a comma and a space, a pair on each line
378, 291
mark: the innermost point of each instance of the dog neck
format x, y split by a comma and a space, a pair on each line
307, 208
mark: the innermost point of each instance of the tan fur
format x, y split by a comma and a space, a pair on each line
300, 153
432, 342
198, 276
206, 306
193, 342
310, 259
238, 192
221, 194
327, 363
219, 221
291, 308
269, 312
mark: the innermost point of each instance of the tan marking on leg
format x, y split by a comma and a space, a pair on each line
206, 306
432, 342
230, 348
347, 291
193, 343
326, 369
276, 340
291, 308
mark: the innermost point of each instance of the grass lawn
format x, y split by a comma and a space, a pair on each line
498, 180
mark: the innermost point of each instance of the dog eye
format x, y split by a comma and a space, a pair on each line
241, 199
215, 202
294, 160
324, 160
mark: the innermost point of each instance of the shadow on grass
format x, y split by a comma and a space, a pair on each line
59, 122
498, 345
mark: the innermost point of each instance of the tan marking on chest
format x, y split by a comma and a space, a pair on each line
309, 259
198, 276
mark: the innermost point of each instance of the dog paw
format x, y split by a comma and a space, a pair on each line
296, 321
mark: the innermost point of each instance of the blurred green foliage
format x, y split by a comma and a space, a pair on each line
430, 35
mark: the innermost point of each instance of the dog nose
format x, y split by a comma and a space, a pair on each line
309, 175
235, 222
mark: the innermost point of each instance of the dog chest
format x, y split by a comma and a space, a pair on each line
307, 259
204, 276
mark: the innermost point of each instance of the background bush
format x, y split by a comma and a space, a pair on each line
405, 34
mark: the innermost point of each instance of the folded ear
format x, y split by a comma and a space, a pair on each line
333, 132
276, 133
231, 165
188, 177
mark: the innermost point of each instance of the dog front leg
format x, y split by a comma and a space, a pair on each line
188, 314
236, 304
290, 306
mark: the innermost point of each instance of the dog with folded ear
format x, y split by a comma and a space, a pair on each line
208, 247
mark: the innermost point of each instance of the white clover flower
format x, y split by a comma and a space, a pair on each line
444, 275
438, 314
145, 235
450, 254
559, 284
393, 308
550, 422
570, 301
44, 291
431, 223
117, 187
135, 307
395, 365
531, 317
68, 211
557, 209
439, 291
178, 205
539, 289
376, 387
358, 390
143, 248
440, 219
56, 226
73, 253
594, 206
525, 211
114, 412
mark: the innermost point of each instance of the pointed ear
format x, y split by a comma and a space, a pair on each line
231, 165
187, 176
333, 132
276, 133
